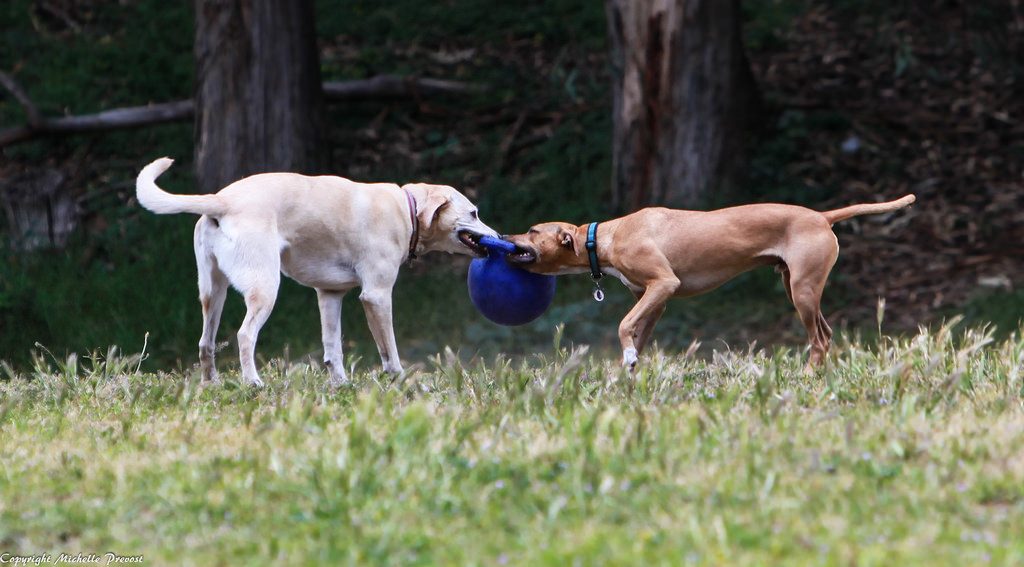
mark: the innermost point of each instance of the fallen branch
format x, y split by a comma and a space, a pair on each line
116, 119
394, 86
380, 87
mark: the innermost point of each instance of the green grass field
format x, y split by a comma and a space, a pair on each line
910, 451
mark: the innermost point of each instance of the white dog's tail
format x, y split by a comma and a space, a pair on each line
163, 203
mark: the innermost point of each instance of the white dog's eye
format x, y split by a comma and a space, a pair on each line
474, 215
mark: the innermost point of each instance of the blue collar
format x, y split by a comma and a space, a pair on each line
595, 270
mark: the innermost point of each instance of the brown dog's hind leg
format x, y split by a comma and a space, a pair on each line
783, 269
807, 302
823, 326
806, 276
822, 330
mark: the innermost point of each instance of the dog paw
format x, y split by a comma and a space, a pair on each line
337, 374
629, 358
254, 382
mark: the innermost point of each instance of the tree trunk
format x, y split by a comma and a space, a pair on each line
41, 209
259, 103
682, 89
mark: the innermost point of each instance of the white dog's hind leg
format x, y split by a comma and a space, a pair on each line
330, 325
254, 267
212, 300
258, 303
377, 304
213, 288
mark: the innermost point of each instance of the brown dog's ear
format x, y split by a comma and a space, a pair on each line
429, 210
568, 240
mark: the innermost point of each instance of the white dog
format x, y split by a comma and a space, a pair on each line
327, 233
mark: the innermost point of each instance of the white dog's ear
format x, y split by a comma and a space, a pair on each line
431, 208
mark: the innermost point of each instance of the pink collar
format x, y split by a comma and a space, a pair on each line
414, 239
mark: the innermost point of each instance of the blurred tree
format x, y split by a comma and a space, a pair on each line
682, 91
259, 102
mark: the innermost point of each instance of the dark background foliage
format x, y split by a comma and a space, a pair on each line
862, 100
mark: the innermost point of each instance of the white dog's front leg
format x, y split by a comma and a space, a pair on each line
377, 303
330, 326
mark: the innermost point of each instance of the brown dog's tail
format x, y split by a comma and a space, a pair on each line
867, 209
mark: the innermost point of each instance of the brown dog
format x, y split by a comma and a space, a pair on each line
660, 253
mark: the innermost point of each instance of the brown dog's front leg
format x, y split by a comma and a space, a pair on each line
637, 325
647, 329
646, 326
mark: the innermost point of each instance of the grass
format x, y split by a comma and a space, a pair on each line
906, 452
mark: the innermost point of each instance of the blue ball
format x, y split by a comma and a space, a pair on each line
506, 294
